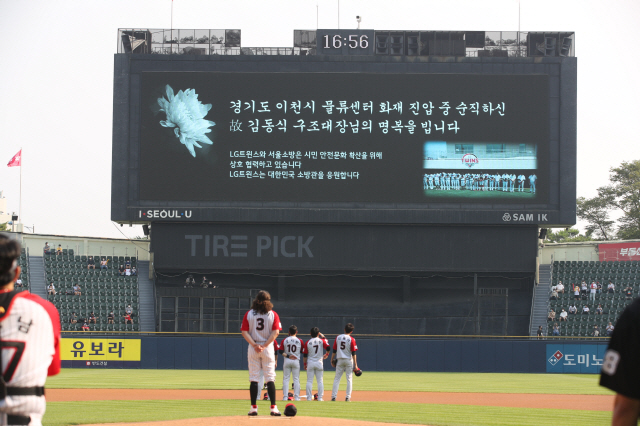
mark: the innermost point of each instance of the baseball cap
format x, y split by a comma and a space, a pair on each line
290, 410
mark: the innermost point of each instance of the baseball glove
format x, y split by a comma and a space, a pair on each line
357, 372
334, 363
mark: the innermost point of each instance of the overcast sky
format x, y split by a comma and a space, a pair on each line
56, 76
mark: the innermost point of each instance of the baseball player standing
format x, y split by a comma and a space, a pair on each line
314, 353
260, 327
344, 360
532, 183
291, 348
620, 368
29, 341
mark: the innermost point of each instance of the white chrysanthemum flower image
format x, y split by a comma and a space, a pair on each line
186, 114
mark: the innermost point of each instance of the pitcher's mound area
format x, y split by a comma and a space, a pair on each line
257, 421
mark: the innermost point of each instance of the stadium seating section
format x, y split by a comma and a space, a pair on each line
23, 262
102, 291
622, 274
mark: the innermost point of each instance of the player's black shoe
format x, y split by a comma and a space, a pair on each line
333, 399
253, 411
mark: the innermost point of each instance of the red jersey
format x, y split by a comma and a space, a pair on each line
30, 336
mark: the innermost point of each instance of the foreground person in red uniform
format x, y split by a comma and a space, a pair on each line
29, 338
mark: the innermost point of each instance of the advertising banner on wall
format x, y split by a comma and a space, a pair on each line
575, 358
100, 353
621, 252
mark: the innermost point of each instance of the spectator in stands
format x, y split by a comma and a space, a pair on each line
573, 309
59, 249
92, 318
121, 270
560, 287
599, 289
128, 310
204, 282
134, 271
576, 292
592, 292
584, 288
77, 291
127, 270
599, 310
556, 329
596, 331
51, 289
540, 335
611, 288
190, 282
18, 282
104, 263
585, 310
551, 316
127, 264
73, 318
127, 319
91, 264
610, 328
563, 316
85, 327
628, 292
554, 294
110, 317
211, 285
47, 249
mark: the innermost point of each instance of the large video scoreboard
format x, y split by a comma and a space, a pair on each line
317, 139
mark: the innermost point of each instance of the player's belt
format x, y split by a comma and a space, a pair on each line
33, 391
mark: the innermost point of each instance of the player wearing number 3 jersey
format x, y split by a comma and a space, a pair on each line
29, 339
260, 327
344, 359
291, 348
313, 356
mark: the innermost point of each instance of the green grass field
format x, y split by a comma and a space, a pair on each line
72, 413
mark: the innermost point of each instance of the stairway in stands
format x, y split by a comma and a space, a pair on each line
541, 301
145, 289
36, 276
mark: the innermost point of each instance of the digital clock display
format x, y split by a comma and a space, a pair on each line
354, 41
345, 42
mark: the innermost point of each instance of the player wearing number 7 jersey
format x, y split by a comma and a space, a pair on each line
29, 339
314, 353
344, 359
260, 327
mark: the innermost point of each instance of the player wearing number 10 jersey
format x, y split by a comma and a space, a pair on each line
29, 339
260, 327
291, 349
314, 353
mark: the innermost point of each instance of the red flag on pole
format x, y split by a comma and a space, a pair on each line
16, 160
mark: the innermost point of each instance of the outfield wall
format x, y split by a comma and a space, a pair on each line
390, 354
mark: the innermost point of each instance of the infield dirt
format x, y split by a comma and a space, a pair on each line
565, 402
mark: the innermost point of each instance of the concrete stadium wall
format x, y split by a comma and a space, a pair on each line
86, 245
385, 354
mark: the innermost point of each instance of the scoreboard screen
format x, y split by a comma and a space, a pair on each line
344, 137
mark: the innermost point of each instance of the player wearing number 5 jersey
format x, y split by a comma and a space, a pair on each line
314, 353
29, 339
291, 350
260, 327
344, 359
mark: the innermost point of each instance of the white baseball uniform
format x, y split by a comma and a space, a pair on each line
30, 342
291, 347
314, 349
260, 327
344, 346
276, 348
